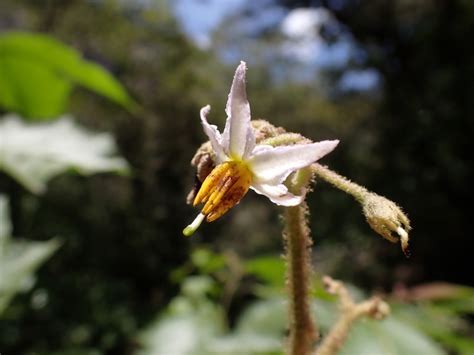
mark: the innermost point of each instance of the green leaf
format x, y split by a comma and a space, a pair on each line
248, 344
34, 153
19, 260
5, 225
270, 269
391, 337
38, 72
266, 317
188, 325
29, 89
261, 328
77, 351
438, 321
207, 261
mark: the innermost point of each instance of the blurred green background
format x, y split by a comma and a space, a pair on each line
99, 119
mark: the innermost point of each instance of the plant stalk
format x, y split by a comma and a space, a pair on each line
339, 181
302, 329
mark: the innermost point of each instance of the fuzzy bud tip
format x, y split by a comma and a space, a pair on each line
387, 219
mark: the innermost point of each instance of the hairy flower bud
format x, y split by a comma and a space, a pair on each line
387, 219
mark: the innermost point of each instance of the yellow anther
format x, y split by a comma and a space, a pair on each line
209, 183
218, 192
223, 188
231, 198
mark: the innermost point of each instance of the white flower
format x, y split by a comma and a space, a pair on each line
241, 164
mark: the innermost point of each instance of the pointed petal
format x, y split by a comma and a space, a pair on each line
238, 133
213, 133
274, 165
277, 194
249, 143
261, 148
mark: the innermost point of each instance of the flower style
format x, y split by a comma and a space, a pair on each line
241, 164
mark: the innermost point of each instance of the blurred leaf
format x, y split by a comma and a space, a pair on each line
261, 328
26, 88
197, 287
461, 345
19, 260
34, 153
187, 326
202, 260
181, 334
5, 225
390, 336
248, 343
270, 269
37, 73
451, 296
18, 263
78, 351
266, 317
460, 306
438, 322
207, 261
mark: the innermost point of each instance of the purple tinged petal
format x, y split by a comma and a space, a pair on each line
238, 131
213, 133
278, 194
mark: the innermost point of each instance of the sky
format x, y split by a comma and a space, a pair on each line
199, 18
300, 29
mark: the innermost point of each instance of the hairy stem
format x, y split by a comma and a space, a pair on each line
339, 181
334, 341
303, 331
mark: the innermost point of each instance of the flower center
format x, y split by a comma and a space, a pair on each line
223, 188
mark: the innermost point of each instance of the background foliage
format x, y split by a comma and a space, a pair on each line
132, 71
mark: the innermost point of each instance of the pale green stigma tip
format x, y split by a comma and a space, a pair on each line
190, 229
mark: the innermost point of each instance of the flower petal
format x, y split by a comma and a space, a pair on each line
238, 133
213, 133
261, 148
272, 166
277, 194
